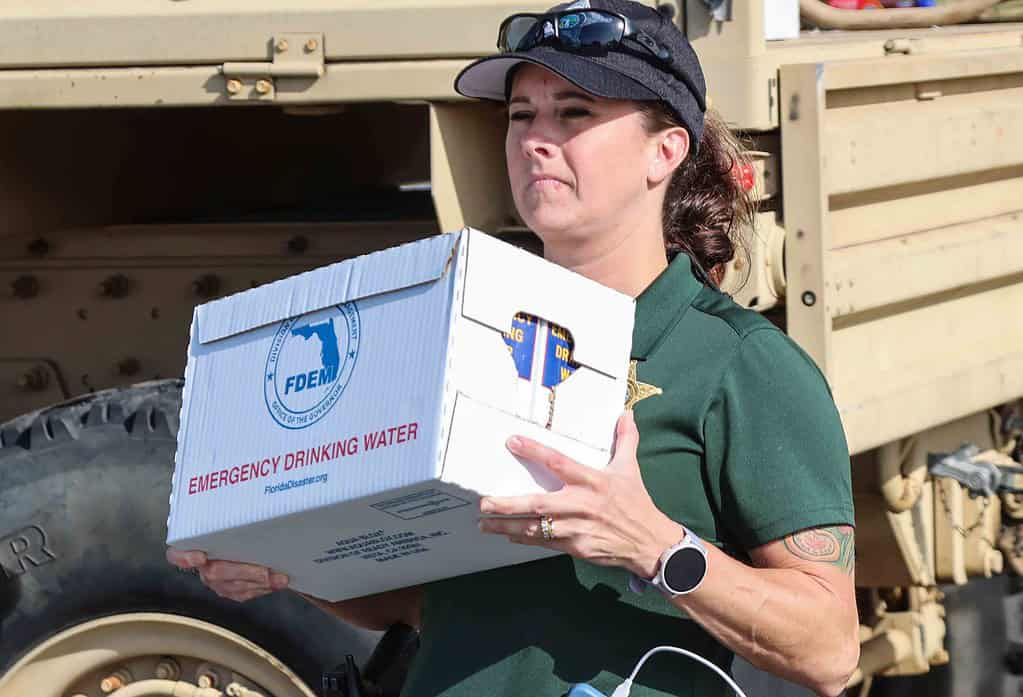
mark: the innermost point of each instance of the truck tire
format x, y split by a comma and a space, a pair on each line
84, 490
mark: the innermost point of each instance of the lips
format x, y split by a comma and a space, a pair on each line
544, 180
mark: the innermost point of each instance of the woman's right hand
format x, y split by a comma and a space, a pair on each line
229, 579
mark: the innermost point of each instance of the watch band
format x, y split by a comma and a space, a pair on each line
687, 546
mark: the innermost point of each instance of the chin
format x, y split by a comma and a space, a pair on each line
551, 227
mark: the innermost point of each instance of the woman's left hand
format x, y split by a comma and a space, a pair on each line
603, 516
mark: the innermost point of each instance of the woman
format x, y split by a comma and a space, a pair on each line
614, 165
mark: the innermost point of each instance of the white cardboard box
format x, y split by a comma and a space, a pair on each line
341, 425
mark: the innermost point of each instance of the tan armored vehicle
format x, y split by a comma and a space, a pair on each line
159, 153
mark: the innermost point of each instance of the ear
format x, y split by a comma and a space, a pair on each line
671, 147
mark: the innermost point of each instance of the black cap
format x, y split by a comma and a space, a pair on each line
628, 71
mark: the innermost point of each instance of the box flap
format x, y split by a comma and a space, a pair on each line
502, 279
372, 274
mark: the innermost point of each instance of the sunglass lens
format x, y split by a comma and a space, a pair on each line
520, 33
581, 29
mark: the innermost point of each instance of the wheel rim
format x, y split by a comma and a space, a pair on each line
130, 647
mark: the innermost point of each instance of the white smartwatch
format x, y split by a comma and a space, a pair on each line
682, 568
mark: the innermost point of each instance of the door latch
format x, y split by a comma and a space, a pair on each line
295, 57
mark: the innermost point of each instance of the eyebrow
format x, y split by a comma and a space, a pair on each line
566, 94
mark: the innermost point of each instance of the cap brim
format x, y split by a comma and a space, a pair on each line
485, 79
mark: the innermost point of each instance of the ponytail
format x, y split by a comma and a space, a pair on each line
706, 205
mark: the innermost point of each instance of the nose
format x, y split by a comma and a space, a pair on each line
538, 141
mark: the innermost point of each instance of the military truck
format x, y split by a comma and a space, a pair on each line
161, 153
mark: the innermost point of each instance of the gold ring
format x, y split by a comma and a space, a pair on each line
547, 528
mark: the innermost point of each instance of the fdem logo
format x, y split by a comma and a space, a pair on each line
310, 362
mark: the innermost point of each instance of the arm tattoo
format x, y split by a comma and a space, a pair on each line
831, 545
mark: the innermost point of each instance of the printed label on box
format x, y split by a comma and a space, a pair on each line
379, 546
557, 364
420, 504
521, 342
310, 361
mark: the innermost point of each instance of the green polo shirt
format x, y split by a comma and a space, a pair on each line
743, 446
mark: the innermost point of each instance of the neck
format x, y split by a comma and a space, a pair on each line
627, 262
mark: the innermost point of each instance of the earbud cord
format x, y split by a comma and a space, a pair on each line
624, 689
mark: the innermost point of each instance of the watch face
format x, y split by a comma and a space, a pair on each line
684, 570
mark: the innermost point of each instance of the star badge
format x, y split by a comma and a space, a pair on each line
638, 391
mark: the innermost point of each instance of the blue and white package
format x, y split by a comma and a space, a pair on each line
341, 425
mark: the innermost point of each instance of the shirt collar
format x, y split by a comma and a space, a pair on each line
661, 305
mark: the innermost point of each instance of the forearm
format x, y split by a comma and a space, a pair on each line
781, 620
377, 612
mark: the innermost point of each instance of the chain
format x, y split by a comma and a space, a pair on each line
965, 532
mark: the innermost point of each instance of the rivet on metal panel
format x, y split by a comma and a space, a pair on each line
281, 46
234, 86
263, 86
116, 286
38, 247
206, 286
794, 107
898, 46
129, 366
25, 287
809, 298
298, 244
311, 45
34, 380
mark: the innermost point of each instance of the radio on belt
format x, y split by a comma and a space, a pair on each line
341, 425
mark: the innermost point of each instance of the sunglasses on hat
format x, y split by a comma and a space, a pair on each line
582, 29
574, 29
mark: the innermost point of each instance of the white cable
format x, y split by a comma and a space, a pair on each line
626, 687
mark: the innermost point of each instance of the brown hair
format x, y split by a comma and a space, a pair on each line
706, 203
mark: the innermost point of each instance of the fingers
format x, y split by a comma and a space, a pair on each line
218, 570
220, 577
626, 441
513, 505
529, 530
233, 580
186, 559
512, 527
567, 469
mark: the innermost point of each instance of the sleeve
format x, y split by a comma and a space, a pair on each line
777, 457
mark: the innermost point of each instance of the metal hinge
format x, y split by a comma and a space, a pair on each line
295, 57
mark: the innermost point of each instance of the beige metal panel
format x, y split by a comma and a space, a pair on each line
185, 243
54, 33
27, 384
869, 216
925, 263
755, 278
89, 333
205, 86
741, 67
934, 37
467, 167
805, 211
910, 371
1004, 57
869, 146
740, 84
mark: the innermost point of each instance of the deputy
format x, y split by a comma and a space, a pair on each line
724, 522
